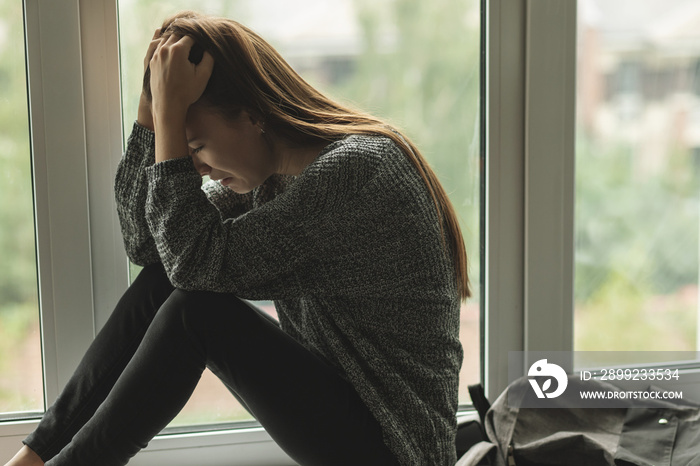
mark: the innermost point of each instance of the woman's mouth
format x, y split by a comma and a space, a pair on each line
226, 181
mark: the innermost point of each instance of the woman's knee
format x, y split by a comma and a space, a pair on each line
191, 316
151, 276
193, 310
207, 315
144, 297
151, 286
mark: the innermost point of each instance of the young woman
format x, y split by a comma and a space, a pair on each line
327, 211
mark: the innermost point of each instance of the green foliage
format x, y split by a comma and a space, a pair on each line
623, 315
18, 279
637, 250
17, 246
638, 223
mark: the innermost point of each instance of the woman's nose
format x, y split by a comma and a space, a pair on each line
201, 167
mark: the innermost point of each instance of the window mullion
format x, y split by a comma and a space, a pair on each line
504, 189
529, 195
60, 184
103, 133
549, 174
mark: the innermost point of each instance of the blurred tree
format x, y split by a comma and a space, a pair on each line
636, 251
641, 226
17, 244
20, 369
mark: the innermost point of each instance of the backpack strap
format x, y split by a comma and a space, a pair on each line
479, 400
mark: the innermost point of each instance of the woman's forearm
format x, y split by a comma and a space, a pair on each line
171, 138
130, 189
144, 116
176, 83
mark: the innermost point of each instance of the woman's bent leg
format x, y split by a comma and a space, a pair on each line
306, 406
311, 411
150, 392
103, 363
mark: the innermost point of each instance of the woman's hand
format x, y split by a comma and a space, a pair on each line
176, 82
145, 117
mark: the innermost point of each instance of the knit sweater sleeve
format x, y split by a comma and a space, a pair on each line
131, 191
262, 254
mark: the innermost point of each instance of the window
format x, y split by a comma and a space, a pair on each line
21, 382
73, 61
547, 108
637, 179
541, 216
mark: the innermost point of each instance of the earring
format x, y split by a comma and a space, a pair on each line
262, 127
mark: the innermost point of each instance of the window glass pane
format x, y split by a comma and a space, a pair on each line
386, 57
637, 175
21, 383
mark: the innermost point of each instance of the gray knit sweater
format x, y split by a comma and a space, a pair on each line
350, 251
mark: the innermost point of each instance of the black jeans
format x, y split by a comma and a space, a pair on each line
146, 361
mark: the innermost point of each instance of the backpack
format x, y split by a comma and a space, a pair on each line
662, 432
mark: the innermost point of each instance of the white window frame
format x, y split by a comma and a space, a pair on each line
530, 183
77, 139
531, 63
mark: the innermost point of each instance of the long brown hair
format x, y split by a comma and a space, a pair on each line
250, 74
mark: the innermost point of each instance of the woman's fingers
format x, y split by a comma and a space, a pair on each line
151, 48
170, 50
170, 42
173, 38
149, 53
176, 82
202, 69
186, 41
144, 114
206, 66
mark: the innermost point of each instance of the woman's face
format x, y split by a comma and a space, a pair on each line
233, 152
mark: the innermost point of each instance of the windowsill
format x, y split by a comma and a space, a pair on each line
244, 444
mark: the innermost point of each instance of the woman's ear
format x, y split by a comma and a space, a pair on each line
256, 120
